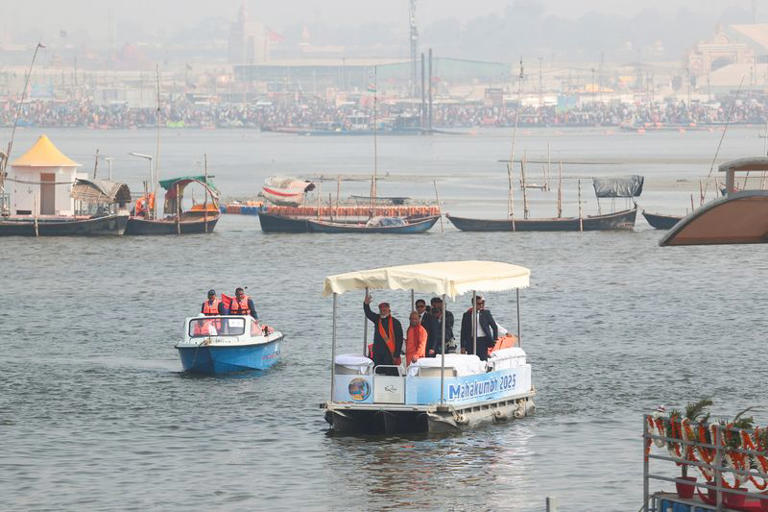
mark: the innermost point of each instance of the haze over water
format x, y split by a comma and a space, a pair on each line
95, 414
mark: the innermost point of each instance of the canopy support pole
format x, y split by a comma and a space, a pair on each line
474, 322
333, 344
365, 329
517, 294
413, 300
442, 354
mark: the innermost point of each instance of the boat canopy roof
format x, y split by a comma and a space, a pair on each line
629, 186
100, 191
451, 278
752, 163
183, 181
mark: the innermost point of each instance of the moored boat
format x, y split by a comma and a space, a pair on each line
215, 345
379, 225
177, 222
622, 220
47, 196
286, 191
447, 393
659, 221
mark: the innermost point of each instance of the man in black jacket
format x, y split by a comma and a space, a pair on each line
436, 311
427, 322
387, 336
487, 330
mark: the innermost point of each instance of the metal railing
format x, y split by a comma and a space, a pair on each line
719, 466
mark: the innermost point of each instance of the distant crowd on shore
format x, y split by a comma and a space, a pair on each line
315, 112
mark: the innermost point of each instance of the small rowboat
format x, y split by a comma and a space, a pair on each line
392, 225
214, 345
659, 221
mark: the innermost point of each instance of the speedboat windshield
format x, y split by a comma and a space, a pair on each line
216, 326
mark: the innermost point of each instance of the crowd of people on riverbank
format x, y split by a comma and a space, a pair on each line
309, 112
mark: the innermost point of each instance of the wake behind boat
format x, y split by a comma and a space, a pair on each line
446, 393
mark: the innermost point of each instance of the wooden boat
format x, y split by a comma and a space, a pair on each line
624, 219
659, 221
741, 217
271, 223
50, 200
391, 225
194, 221
447, 393
111, 224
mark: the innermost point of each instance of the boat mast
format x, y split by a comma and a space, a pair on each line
510, 194
5, 157
156, 184
375, 141
524, 186
205, 201
560, 191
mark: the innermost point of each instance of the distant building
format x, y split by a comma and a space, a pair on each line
248, 40
736, 53
721, 51
41, 181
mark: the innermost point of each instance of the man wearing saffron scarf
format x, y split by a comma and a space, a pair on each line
415, 340
387, 336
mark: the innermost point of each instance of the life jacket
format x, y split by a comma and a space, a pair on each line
240, 306
206, 328
211, 309
389, 337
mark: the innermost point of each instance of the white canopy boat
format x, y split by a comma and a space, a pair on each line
447, 393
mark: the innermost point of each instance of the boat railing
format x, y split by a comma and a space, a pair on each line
726, 452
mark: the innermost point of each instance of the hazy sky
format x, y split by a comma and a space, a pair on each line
28, 16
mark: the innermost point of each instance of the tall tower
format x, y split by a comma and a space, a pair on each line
414, 37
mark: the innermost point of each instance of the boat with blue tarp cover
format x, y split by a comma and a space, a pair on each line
214, 345
445, 393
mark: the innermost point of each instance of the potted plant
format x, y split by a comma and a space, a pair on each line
732, 433
695, 413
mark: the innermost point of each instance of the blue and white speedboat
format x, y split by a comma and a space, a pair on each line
446, 393
215, 345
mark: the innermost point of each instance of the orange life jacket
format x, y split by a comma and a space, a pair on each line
389, 338
204, 328
240, 306
211, 308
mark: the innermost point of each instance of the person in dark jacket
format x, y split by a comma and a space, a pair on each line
436, 311
387, 336
487, 330
427, 321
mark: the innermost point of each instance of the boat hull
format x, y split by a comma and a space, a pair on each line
218, 360
281, 224
113, 225
432, 420
661, 221
138, 226
419, 226
623, 220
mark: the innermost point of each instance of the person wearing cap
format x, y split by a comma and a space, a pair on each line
387, 336
212, 306
436, 343
426, 319
487, 330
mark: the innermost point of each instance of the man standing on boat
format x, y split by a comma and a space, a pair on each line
487, 330
213, 306
426, 319
415, 340
436, 342
242, 304
387, 336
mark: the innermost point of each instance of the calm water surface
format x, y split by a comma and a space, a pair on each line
95, 414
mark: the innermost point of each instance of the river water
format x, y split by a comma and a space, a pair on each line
95, 414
